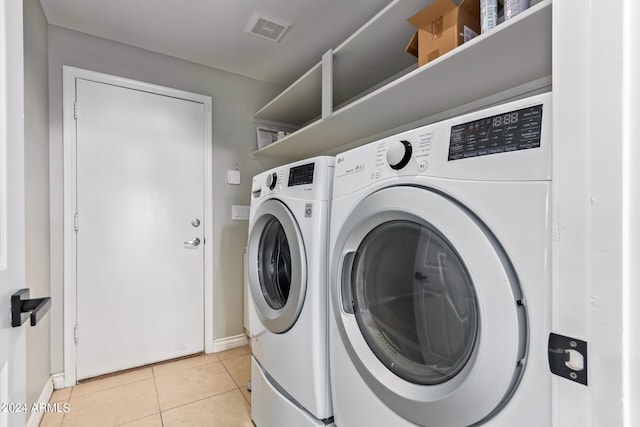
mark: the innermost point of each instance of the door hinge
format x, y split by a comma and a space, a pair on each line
76, 222
76, 334
568, 358
75, 110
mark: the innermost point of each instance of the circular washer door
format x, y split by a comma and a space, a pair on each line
428, 307
277, 266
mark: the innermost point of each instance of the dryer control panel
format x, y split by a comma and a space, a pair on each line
301, 175
306, 179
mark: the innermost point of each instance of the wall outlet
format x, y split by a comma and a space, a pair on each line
240, 212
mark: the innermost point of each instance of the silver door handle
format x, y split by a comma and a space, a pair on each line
194, 242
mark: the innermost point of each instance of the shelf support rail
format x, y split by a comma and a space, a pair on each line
327, 84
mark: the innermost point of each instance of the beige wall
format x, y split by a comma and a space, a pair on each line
235, 99
36, 120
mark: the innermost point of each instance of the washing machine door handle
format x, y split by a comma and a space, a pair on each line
346, 294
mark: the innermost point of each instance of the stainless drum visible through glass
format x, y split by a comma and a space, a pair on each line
274, 264
414, 302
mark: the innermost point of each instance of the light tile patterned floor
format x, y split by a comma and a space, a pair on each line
208, 390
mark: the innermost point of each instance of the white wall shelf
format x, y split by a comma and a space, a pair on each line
520, 55
299, 103
367, 58
375, 52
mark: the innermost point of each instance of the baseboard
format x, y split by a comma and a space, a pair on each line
45, 396
58, 381
228, 343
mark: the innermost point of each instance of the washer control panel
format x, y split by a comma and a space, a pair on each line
509, 142
511, 131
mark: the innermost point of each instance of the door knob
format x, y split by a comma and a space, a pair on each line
194, 242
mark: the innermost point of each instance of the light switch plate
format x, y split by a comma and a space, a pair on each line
233, 177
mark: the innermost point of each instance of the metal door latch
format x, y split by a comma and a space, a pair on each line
23, 308
194, 242
568, 358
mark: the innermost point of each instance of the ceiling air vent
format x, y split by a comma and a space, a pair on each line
267, 28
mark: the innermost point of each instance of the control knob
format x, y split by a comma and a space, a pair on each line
272, 180
399, 154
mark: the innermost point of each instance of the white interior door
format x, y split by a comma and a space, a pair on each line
140, 264
12, 263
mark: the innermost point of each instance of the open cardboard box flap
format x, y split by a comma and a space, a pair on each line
441, 7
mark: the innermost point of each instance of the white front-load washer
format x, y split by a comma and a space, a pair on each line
440, 275
287, 264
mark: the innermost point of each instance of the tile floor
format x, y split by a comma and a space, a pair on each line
208, 390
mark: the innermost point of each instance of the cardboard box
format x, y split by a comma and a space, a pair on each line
266, 136
443, 26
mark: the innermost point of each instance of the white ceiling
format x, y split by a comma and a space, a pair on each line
212, 32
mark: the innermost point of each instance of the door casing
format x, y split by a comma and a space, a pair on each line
70, 74
13, 343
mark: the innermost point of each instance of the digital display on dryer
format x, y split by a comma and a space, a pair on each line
512, 131
301, 175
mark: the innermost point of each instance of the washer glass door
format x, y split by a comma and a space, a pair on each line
277, 266
428, 307
414, 301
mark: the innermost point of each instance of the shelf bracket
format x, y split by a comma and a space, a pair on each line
327, 84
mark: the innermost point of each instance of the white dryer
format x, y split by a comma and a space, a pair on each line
287, 265
440, 274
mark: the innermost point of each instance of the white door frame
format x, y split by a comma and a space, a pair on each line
13, 358
70, 74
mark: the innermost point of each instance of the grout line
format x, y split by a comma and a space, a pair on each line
245, 397
232, 357
217, 360
229, 372
199, 400
64, 415
112, 387
155, 386
140, 368
67, 400
113, 374
110, 390
237, 387
138, 419
160, 410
